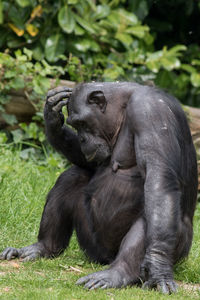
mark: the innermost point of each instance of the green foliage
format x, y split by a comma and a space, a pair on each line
95, 40
20, 72
106, 40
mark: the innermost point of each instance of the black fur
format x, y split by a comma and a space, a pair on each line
132, 193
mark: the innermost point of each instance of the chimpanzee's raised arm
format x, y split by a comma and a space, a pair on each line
61, 137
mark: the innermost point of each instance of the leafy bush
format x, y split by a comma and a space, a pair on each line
97, 40
20, 72
103, 40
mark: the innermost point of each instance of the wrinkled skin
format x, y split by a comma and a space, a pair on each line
131, 193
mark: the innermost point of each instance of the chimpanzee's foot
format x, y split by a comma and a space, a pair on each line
158, 276
28, 253
163, 285
104, 279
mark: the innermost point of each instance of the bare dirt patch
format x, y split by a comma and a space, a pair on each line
190, 287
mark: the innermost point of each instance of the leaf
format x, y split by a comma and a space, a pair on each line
55, 45
66, 19
17, 30
41, 85
153, 65
94, 46
41, 136
3, 138
38, 53
23, 3
17, 136
28, 52
27, 153
113, 73
18, 83
91, 4
32, 130
78, 30
4, 99
52, 161
32, 29
170, 62
87, 26
140, 8
16, 16
113, 21
45, 84
14, 42
101, 12
195, 79
196, 62
10, 74
128, 17
138, 31
148, 38
188, 68
176, 49
72, 1
124, 38
1, 12
10, 119
84, 45
36, 12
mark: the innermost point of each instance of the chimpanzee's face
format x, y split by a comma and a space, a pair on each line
87, 114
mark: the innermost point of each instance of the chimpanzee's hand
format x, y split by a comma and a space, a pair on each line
54, 103
28, 253
110, 278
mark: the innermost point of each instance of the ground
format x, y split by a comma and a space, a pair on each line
23, 186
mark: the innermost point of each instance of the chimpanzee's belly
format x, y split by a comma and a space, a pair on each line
115, 201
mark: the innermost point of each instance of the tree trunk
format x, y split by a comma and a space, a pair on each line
193, 115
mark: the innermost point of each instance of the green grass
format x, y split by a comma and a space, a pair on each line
23, 188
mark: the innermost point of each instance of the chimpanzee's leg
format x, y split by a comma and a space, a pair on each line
184, 241
183, 244
86, 235
57, 219
125, 269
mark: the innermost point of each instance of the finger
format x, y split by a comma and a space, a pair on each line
58, 97
83, 279
91, 283
59, 89
162, 287
30, 257
172, 286
27, 251
12, 254
6, 252
105, 286
146, 285
98, 285
59, 106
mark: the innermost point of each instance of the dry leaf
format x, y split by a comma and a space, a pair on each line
17, 30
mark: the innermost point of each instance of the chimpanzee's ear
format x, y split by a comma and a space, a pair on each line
98, 98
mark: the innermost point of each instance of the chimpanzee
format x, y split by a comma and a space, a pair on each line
131, 193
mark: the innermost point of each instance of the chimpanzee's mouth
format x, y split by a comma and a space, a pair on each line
90, 157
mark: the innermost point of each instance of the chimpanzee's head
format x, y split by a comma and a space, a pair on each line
94, 111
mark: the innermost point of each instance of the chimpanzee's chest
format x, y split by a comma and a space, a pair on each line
116, 199
123, 155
